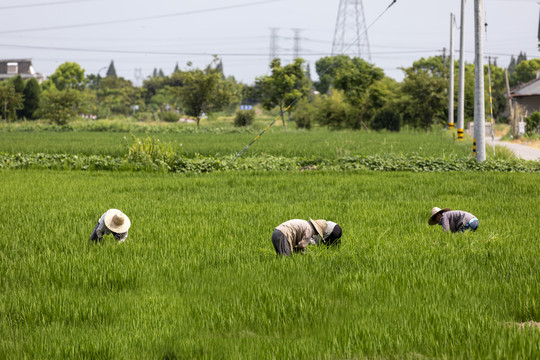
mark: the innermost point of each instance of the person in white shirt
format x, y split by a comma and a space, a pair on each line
113, 222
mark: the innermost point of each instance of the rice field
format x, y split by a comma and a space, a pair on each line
277, 142
198, 276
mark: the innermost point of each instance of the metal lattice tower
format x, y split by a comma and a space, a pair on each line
296, 47
350, 35
274, 47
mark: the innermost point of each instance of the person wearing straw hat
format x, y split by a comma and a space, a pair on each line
453, 220
112, 222
295, 235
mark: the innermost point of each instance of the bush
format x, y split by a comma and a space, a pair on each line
387, 119
168, 116
533, 122
244, 117
303, 115
335, 112
59, 106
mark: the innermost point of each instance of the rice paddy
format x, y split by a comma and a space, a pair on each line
198, 276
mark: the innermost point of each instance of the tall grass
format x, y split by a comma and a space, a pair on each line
198, 277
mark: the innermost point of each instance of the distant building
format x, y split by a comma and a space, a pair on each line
23, 67
527, 95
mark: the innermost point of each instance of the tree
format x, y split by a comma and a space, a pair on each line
326, 68
18, 85
357, 79
286, 84
111, 71
118, 95
69, 75
526, 71
59, 106
203, 91
32, 94
10, 100
425, 88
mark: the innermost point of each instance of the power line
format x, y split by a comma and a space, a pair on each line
153, 17
143, 52
43, 4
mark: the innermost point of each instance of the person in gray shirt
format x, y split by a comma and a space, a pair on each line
453, 220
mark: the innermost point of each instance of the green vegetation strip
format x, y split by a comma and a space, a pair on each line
198, 276
205, 164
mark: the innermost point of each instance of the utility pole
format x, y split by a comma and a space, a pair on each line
461, 85
491, 120
444, 56
510, 105
451, 76
479, 109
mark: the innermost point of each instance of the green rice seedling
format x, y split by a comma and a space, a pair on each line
318, 143
198, 276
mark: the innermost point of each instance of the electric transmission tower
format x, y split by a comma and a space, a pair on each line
350, 35
296, 47
273, 44
138, 76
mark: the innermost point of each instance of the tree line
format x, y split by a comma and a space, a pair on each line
349, 93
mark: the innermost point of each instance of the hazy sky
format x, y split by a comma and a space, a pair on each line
142, 34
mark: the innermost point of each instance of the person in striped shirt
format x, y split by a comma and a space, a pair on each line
453, 220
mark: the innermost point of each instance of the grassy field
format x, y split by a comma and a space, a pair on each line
198, 277
277, 141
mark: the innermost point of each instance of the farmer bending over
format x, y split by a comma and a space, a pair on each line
295, 235
112, 222
453, 220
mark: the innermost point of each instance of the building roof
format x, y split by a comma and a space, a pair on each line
24, 69
532, 88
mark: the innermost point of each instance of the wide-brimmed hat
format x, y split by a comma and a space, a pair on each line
116, 221
434, 212
320, 225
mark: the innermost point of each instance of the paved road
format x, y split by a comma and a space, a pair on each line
521, 151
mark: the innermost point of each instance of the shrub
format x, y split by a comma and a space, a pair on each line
386, 119
304, 114
168, 116
244, 117
335, 112
152, 152
533, 122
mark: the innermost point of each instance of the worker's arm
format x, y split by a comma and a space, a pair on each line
100, 229
121, 237
302, 245
445, 222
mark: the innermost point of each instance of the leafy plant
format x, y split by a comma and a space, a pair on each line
169, 116
533, 123
244, 117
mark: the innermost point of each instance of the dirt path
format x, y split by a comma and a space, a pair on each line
521, 151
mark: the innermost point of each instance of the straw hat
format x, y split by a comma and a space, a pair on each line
116, 221
320, 225
434, 212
